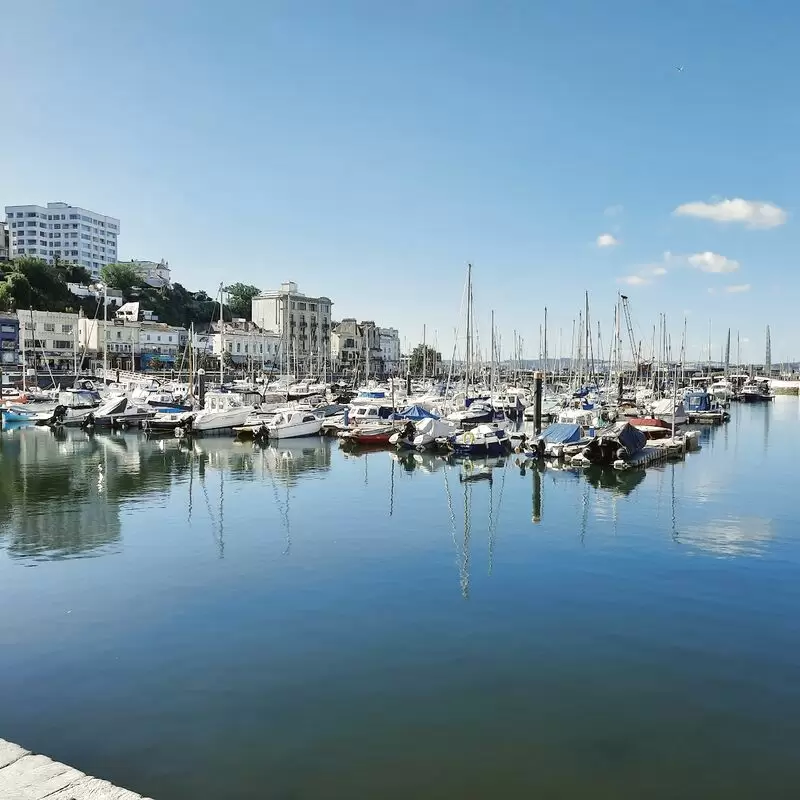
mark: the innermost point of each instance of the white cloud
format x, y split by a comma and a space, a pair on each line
607, 240
713, 262
634, 280
613, 211
658, 271
737, 288
752, 213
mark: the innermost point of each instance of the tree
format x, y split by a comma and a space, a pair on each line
240, 298
15, 292
432, 362
120, 276
46, 289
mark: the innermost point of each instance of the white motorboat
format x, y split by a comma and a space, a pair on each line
291, 423
722, 390
221, 411
426, 433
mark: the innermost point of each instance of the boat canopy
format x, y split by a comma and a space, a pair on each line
561, 433
415, 413
620, 440
697, 401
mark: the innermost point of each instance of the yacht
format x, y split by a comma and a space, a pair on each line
221, 411
291, 423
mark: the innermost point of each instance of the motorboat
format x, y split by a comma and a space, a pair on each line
291, 423
117, 413
722, 390
72, 405
425, 433
221, 411
476, 413
755, 391
168, 419
371, 434
485, 439
704, 407
619, 441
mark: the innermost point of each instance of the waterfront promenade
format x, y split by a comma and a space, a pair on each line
26, 776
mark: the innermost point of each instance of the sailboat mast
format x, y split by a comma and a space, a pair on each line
424, 353
768, 359
491, 362
469, 327
545, 344
221, 341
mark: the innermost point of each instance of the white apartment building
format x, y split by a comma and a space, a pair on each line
390, 350
62, 231
48, 339
302, 323
246, 343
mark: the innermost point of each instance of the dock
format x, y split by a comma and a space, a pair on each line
27, 776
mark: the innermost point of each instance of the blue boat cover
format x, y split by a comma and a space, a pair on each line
697, 401
562, 433
415, 413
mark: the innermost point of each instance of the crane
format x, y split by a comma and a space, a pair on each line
629, 324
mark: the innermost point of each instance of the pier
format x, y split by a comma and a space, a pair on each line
27, 776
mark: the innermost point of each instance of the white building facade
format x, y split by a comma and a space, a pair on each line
154, 273
131, 344
302, 323
62, 231
356, 348
390, 350
48, 339
247, 344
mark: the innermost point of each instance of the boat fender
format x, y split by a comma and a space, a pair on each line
469, 437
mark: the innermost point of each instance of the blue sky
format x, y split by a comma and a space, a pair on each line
369, 150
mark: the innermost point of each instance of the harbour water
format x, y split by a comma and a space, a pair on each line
216, 620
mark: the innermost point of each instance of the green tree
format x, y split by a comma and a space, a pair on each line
47, 291
121, 276
240, 297
432, 363
15, 292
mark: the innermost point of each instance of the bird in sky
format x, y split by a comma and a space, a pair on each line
679, 67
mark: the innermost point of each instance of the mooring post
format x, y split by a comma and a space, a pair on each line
537, 399
537, 494
201, 387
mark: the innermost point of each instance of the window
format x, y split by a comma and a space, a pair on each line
119, 334
74, 216
19, 214
57, 226
158, 338
238, 347
66, 329
62, 344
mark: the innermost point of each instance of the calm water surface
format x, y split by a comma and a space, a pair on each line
219, 621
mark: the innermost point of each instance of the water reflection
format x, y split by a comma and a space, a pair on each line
730, 536
61, 492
